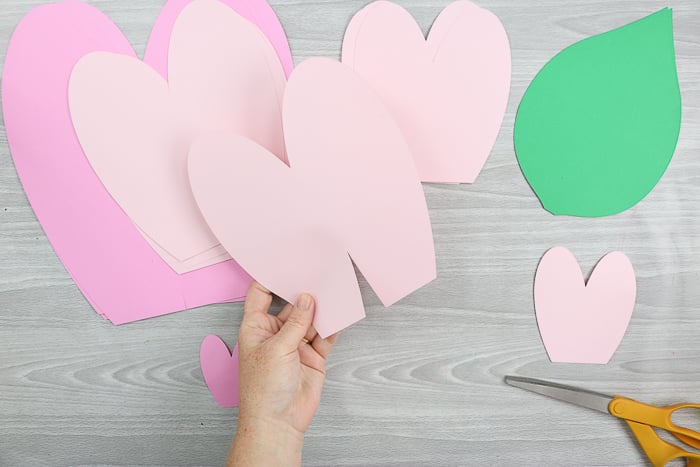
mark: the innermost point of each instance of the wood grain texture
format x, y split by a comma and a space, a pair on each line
417, 384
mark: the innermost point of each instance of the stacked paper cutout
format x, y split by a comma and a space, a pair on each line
116, 267
136, 128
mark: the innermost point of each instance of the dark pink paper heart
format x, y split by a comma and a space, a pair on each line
220, 370
118, 272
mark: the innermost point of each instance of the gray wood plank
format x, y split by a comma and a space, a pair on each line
417, 384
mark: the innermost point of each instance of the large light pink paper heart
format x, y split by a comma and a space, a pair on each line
448, 93
583, 322
136, 128
351, 187
220, 370
119, 273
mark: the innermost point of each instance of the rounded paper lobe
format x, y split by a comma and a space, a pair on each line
258, 12
598, 125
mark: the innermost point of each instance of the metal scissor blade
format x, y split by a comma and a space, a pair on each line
582, 397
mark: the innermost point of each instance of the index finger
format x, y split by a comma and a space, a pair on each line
257, 300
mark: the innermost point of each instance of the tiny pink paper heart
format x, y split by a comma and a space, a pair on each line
583, 322
350, 191
448, 93
220, 370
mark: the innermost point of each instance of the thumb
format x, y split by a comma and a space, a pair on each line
298, 323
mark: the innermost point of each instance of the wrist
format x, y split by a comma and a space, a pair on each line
266, 442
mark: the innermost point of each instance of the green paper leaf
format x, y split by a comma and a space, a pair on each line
598, 125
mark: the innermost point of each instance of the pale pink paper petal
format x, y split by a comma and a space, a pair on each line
448, 93
220, 370
284, 243
136, 128
351, 188
225, 75
119, 273
579, 322
475, 38
258, 12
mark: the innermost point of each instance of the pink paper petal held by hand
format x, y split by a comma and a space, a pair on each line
136, 128
351, 190
448, 93
119, 273
583, 322
220, 370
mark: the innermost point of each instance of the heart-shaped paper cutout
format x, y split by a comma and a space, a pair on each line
136, 128
448, 93
352, 188
583, 322
119, 273
220, 370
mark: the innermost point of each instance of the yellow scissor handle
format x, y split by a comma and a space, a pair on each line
658, 451
641, 419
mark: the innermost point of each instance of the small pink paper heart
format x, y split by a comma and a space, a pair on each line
220, 370
351, 191
136, 128
583, 322
448, 93
119, 273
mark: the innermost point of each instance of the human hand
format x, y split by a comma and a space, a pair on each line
282, 368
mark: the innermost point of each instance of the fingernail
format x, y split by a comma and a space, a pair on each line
303, 302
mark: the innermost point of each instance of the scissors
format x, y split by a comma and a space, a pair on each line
641, 418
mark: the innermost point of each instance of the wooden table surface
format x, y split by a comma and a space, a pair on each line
420, 383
